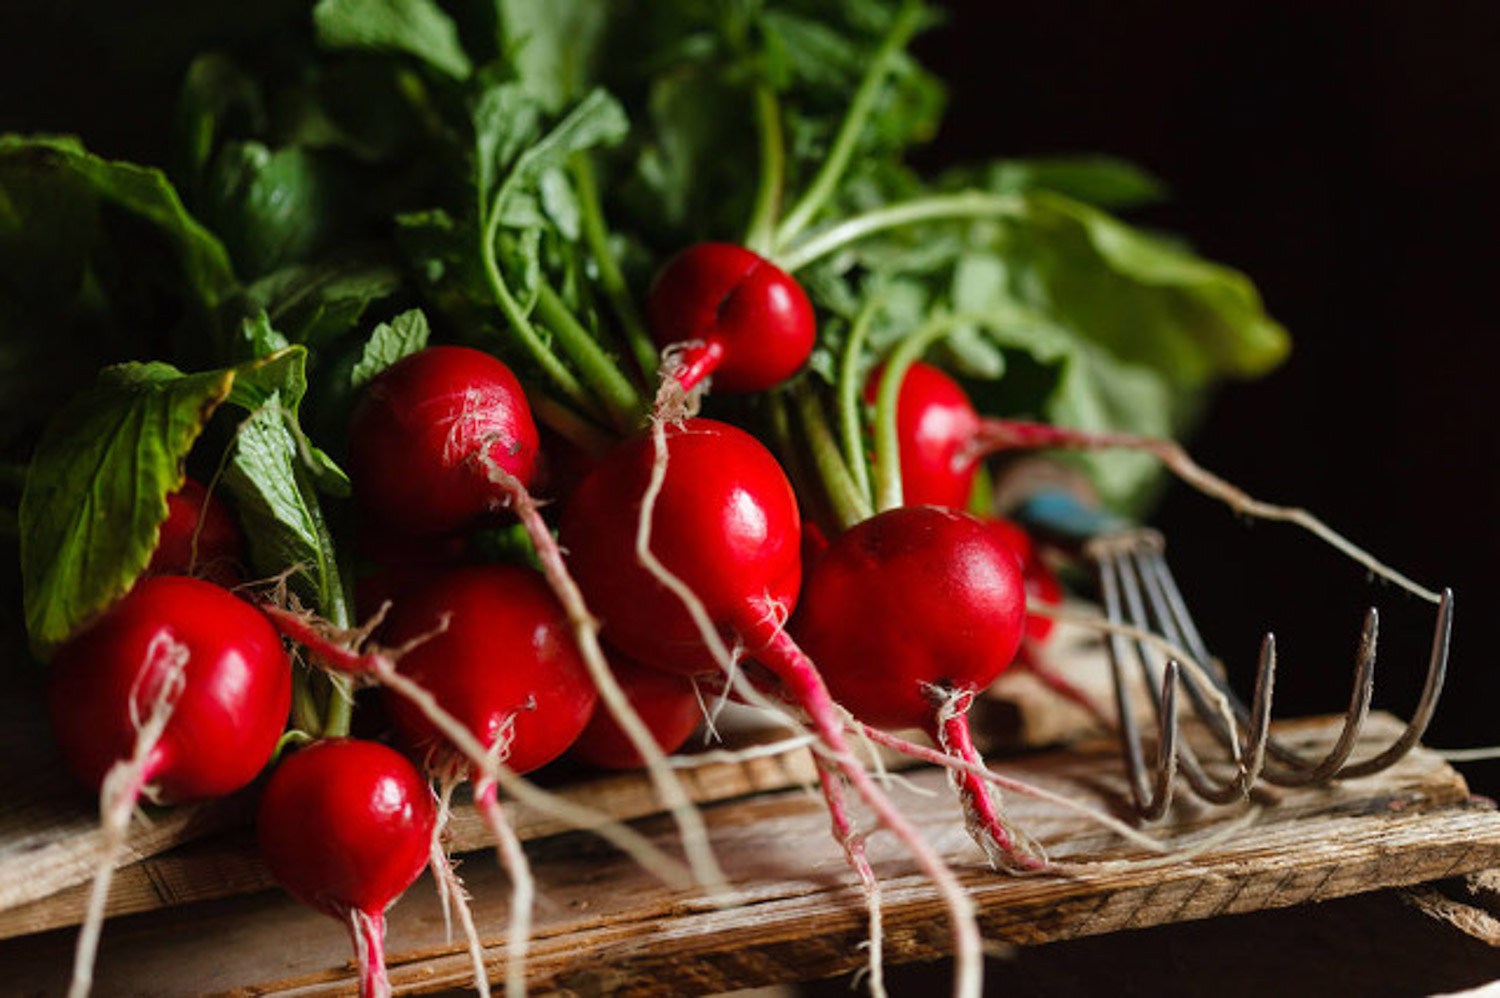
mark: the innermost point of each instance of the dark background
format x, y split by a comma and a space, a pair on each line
1343, 154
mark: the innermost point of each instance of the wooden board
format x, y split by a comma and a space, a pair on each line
605, 927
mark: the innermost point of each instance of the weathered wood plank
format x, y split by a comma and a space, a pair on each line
606, 927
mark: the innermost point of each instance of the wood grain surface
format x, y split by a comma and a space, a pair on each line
605, 927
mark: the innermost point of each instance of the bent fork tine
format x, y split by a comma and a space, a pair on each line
1299, 770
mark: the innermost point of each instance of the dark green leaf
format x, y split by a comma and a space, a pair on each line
96, 493
278, 506
315, 303
273, 208
415, 27
552, 45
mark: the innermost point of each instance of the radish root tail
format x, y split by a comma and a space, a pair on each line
124, 784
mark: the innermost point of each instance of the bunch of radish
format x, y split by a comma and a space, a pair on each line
594, 506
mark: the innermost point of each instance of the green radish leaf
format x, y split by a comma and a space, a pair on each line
1101, 181
315, 303
277, 502
273, 208
403, 336
95, 495
552, 45
417, 28
1144, 300
597, 120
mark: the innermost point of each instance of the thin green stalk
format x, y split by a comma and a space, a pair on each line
887, 444
937, 207
611, 279
520, 326
340, 712
848, 503
851, 426
305, 713
613, 389
827, 179
760, 236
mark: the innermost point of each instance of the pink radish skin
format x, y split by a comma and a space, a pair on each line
507, 666
730, 530
232, 709
420, 431
666, 701
199, 537
748, 323
346, 827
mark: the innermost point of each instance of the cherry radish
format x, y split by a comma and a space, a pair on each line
420, 433
935, 425
668, 702
199, 537
743, 320
345, 826
732, 534
909, 614
177, 693
506, 666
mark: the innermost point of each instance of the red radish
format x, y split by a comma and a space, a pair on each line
346, 826
199, 537
235, 697
507, 666
935, 423
730, 530
423, 430
700, 514
178, 692
666, 701
908, 615
746, 321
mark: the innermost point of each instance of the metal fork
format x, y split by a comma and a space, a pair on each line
1145, 611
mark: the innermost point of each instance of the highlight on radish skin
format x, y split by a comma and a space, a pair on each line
346, 826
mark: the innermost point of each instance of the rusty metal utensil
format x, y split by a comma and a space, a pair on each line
1145, 611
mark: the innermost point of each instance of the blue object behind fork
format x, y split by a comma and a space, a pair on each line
1062, 517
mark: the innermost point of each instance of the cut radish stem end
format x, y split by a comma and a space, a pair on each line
739, 317
346, 826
